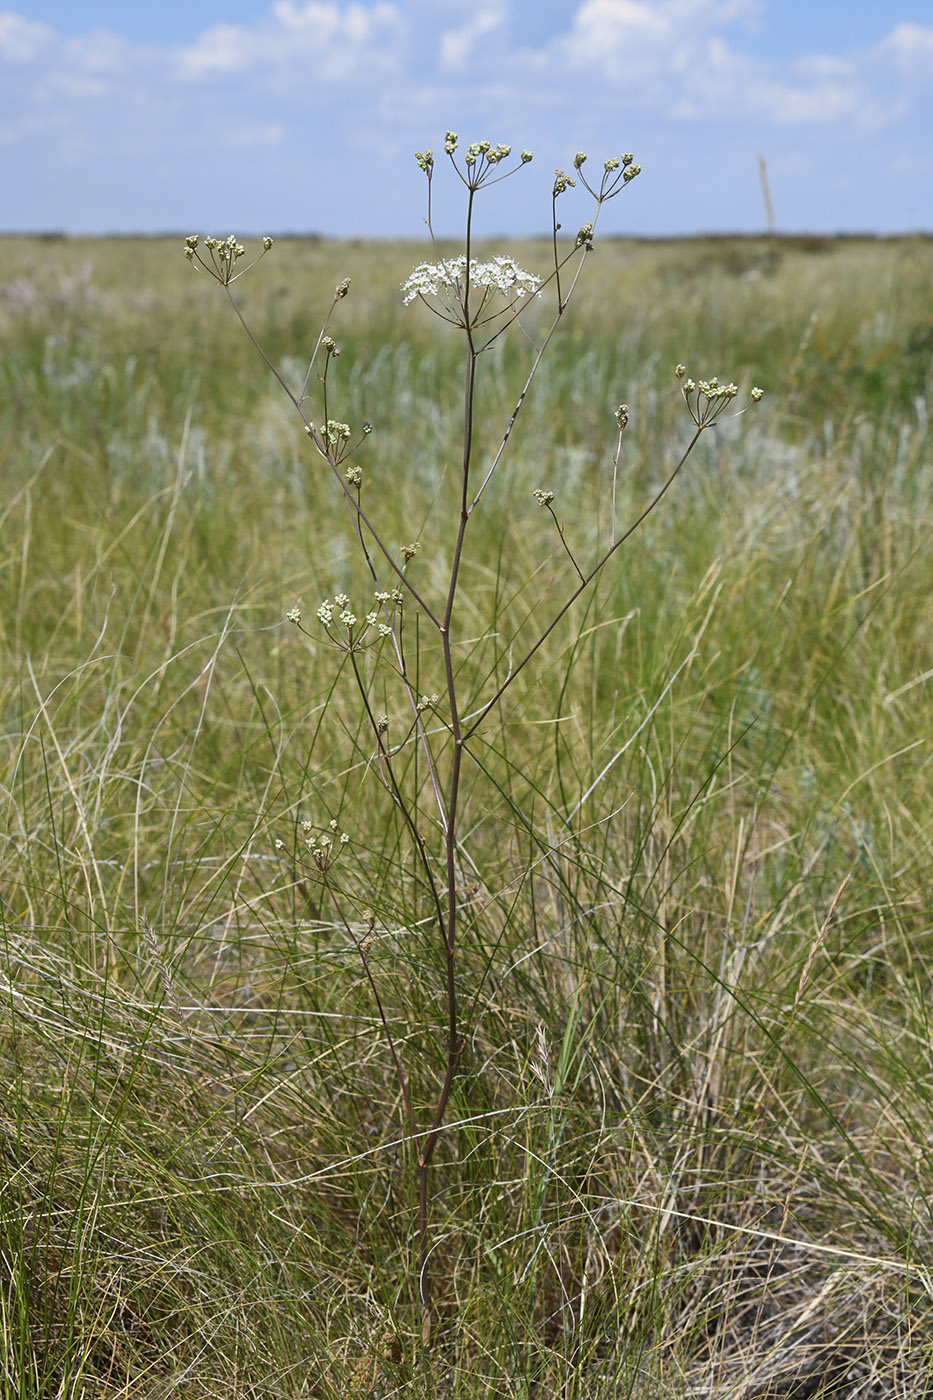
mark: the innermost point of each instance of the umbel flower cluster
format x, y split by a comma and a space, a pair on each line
451, 282
223, 254
500, 274
711, 397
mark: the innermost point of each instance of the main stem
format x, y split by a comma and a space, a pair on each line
450, 831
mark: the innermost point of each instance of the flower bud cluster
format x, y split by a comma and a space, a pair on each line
335, 434
618, 171
333, 440
485, 150
711, 397
222, 256
324, 847
344, 628
544, 498
480, 161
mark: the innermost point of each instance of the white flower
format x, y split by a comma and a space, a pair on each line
500, 274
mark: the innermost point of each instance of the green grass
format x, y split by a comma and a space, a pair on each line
694, 1117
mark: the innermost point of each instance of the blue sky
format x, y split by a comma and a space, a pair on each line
249, 116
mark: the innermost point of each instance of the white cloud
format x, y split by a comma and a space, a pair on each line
226, 48
670, 57
458, 45
910, 46
326, 40
325, 22
815, 105
20, 39
602, 28
616, 36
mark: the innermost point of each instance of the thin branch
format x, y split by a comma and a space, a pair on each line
494, 700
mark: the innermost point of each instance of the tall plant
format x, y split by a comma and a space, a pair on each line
483, 300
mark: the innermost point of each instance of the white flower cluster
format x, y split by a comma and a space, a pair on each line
339, 613
500, 274
325, 848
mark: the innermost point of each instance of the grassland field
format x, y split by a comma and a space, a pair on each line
691, 1142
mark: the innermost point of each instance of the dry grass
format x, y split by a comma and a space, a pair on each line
692, 1155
